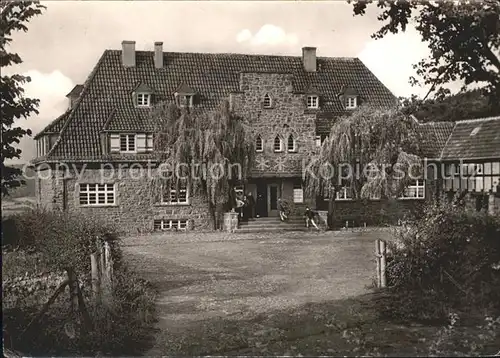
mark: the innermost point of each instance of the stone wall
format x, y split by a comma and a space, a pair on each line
136, 202
287, 115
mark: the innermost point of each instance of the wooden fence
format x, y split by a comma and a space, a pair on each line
101, 261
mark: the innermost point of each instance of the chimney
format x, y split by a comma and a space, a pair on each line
128, 53
309, 58
159, 54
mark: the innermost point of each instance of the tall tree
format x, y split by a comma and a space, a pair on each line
14, 15
371, 152
464, 105
463, 38
211, 151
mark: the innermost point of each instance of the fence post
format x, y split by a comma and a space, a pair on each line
383, 252
377, 256
380, 253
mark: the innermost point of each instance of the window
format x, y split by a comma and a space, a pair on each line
267, 101
164, 224
127, 143
96, 194
291, 143
312, 102
320, 139
143, 99
415, 190
344, 193
298, 193
278, 144
472, 177
351, 102
259, 146
176, 195
186, 100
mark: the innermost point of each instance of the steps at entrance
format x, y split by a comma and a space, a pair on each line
266, 224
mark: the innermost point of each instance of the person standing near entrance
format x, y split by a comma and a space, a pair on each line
282, 210
250, 206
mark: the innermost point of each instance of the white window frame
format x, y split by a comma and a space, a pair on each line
86, 190
261, 144
143, 99
184, 102
344, 194
298, 194
294, 144
172, 192
419, 186
268, 101
128, 145
169, 224
312, 101
281, 144
353, 104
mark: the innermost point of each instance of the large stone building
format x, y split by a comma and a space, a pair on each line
105, 139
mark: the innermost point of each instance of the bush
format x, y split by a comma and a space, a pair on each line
60, 240
63, 239
448, 261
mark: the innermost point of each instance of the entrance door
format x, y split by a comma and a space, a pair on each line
261, 200
272, 201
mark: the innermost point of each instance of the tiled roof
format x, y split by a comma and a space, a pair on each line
56, 125
107, 94
474, 139
433, 137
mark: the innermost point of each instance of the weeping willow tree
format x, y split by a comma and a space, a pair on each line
208, 152
373, 152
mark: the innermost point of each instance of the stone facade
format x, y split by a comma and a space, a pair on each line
137, 204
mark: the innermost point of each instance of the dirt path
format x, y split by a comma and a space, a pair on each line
221, 294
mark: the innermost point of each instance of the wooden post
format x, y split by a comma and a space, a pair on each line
383, 252
377, 256
73, 289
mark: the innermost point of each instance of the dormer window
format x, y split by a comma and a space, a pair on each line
351, 102
143, 99
278, 144
184, 96
186, 101
267, 101
291, 143
312, 101
259, 145
127, 143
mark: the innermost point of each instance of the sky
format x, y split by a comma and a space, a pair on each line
64, 43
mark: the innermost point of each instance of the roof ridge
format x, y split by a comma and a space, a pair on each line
483, 119
84, 91
239, 54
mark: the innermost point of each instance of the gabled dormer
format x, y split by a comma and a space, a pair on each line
74, 95
143, 96
349, 97
185, 96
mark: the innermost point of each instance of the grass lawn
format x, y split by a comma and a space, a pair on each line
269, 294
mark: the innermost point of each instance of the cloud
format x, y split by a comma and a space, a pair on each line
391, 59
267, 35
50, 89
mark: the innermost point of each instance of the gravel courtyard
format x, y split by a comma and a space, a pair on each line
247, 293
